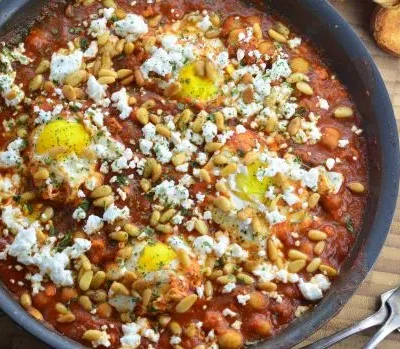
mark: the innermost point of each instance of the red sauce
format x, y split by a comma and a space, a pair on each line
339, 214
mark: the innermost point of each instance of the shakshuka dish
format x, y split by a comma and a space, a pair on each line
173, 174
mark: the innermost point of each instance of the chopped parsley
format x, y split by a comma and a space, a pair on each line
350, 225
64, 242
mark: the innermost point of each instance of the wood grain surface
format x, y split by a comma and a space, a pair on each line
386, 273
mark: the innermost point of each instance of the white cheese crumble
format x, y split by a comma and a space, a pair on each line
132, 27
62, 65
120, 100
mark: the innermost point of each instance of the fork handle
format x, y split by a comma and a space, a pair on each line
392, 324
373, 320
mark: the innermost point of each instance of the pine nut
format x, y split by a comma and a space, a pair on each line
201, 227
186, 303
36, 83
267, 286
25, 300
98, 279
43, 67
69, 92
35, 313
124, 73
272, 250
175, 328
104, 201
131, 229
61, 308
184, 258
228, 169
155, 217
128, 48
296, 254
313, 200
119, 288
167, 215
223, 203
66, 318
119, 235
319, 247
314, 265
220, 160
316, 235
145, 184
92, 335
108, 72
294, 126
173, 89
74, 79
163, 130
208, 288
164, 228
356, 187
164, 320
297, 265
305, 88
212, 147
205, 175
276, 36
106, 80
226, 279
101, 191
328, 270
41, 174
343, 112
85, 280
198, 123
85, 263
244, 278
142, 114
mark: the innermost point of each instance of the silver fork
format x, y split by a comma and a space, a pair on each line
374, 320
391, 324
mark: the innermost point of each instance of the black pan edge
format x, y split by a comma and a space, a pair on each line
347, 55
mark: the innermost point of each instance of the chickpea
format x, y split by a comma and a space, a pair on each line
257, 300
263, 326
230, 339
104, 310
330, 137
68, 293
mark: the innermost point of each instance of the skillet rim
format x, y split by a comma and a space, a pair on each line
368, 252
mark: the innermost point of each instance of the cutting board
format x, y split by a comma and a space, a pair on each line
386, 273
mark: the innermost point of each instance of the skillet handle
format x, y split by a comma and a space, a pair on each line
376, 319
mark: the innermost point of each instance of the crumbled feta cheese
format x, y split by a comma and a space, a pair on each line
120, 100
132, 27
97, 91
93, 224
242, 299
228, 288
62, 65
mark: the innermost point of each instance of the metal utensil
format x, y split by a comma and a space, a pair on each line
374, 320
391, 324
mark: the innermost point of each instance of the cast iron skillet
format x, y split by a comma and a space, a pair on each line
348, 57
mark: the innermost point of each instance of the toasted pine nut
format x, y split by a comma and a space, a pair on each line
316, 235
43, 67
305, 88
205, 175
36, 83
186, 303
343, 112
272, 250
26, 300
356, 187
223, 203
85, 280
313, 265
319, 247
276, 36
92, 335
296, 254
294, 126
201, 227
101, 191
119, 235
328, 270
228, 169
66, 318
297, 265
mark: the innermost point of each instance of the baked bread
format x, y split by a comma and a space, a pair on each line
385, 25
387, 3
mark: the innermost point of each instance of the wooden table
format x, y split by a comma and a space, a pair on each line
386, 273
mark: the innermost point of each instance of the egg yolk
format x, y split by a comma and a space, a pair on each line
155, 256
195, 87
61, 133
248, 184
